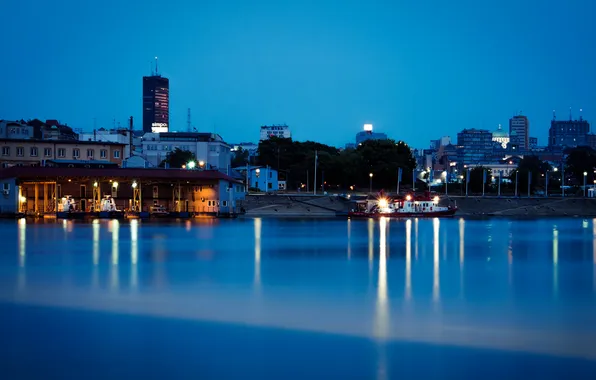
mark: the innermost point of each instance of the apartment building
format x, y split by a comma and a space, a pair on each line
24, 152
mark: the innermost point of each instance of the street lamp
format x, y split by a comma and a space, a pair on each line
201, 164
585, 175
95, 184
115, 185
191, 165
134, 185
370, 175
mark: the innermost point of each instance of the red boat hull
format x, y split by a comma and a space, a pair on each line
430, 214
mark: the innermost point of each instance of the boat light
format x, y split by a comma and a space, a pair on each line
383, 203
408, 197
436, 199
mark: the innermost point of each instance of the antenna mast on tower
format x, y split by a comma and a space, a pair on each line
156, 70
188, 124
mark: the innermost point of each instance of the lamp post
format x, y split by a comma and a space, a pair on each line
191, 165
370, 175
258, 173
201, 164
516, 173
585, 175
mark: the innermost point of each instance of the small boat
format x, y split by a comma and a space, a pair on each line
401, 207
159, 211
108, 209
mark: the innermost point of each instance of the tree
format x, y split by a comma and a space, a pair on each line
177, 158
240, 157
533, 167
581, 160
477, 177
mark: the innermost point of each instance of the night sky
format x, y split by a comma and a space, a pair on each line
417, 69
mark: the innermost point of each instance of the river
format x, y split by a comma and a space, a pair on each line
298, 298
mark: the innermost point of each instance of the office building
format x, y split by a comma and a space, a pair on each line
519, 132
208, 148
474, 146
568, 133
156, 104
279, 131
368, 134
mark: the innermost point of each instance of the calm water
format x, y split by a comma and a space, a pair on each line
281, 299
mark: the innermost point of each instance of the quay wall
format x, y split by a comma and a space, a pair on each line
328, 206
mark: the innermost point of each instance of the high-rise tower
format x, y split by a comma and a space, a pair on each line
156, 102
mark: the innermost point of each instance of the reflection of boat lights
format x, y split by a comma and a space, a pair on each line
349, 238
22, 241
371, 239
115, 230
408, 258
23, 199
436, 284
95, 227
555, 259
382, 311
461, 240
134, 238
257, 279
383, 203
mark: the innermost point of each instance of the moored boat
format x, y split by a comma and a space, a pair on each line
402, 207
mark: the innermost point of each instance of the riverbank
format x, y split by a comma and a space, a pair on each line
330, 206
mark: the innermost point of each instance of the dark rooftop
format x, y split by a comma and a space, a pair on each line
32, 172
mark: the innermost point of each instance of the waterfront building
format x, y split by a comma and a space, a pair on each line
263, 178
40, 189
279, 131
519, 132
368, 134
208, 148
156, 103
568, 133
473, 146
31, 152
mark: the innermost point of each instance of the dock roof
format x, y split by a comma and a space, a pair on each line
34, 172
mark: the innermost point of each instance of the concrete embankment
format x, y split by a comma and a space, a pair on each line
329, 206
523, 207
294, 206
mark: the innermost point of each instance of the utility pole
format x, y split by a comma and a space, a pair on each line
315, 186
188, 123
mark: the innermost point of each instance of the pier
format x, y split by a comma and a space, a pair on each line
83, 193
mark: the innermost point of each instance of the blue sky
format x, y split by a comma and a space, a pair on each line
415, 69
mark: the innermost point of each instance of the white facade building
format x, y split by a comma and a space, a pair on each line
280, 131
15, 130
120, 136
208, 148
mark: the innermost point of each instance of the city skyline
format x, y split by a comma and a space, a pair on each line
323, 69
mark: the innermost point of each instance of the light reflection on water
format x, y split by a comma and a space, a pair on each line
519, 277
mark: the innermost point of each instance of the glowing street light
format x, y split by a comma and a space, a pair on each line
191, 164
585, 175
115, 185
201, 164
95, 184
370, 175
134, 185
